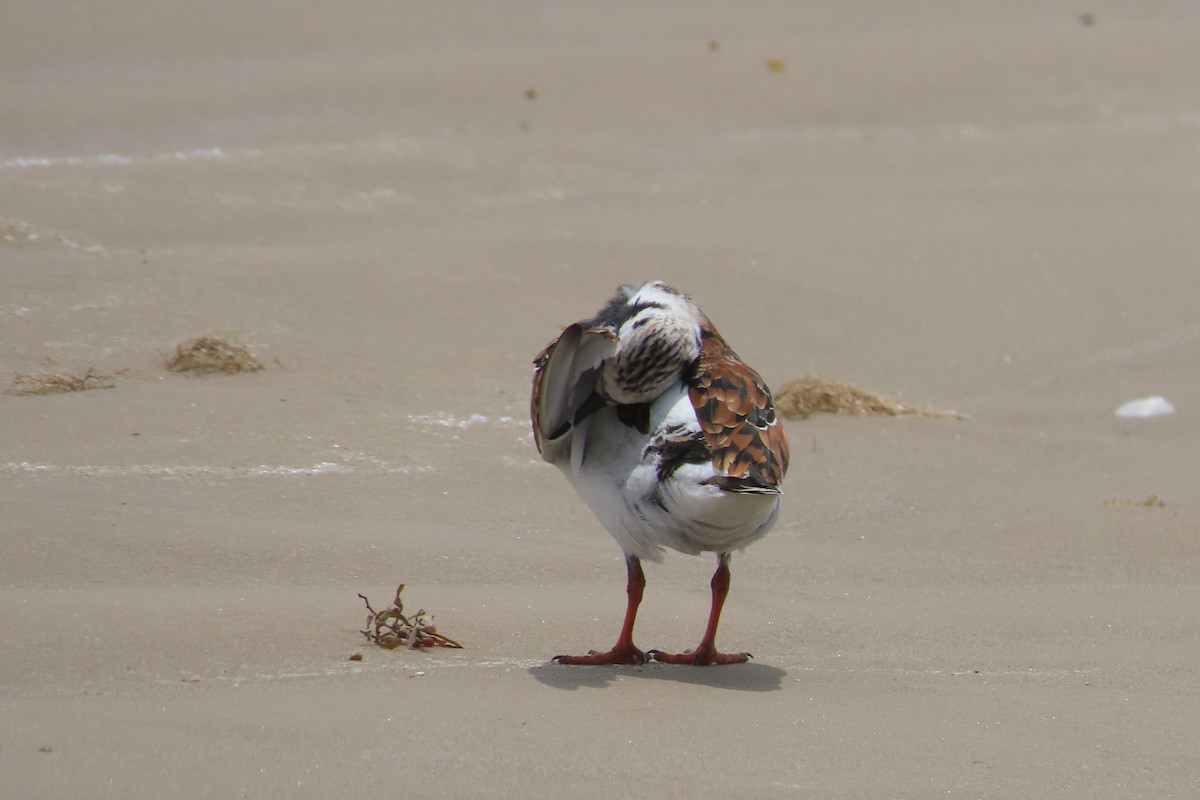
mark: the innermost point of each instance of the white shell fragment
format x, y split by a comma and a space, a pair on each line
1146, 407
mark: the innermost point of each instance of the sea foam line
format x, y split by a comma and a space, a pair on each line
442, 419
197, 154
388, 145
205, 471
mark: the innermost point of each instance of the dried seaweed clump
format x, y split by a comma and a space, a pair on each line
390, 628
47, 383
810, 394
207, 355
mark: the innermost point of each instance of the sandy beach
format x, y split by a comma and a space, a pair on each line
979, 207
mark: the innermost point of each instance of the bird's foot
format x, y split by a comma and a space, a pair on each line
700, 657
618, 655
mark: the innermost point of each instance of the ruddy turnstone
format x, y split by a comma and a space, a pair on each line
670, 438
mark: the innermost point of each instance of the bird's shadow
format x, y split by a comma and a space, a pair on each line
747, 677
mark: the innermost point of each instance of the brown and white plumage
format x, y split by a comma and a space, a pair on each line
669, 437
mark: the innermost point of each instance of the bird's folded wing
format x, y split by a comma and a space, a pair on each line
734, 408
564, 380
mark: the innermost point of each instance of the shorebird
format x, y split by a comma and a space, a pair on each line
668, 436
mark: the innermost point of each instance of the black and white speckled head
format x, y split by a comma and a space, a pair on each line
632, 299
658, 330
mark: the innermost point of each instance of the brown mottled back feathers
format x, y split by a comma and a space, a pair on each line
734, 407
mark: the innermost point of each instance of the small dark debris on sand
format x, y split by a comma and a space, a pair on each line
1153, 501
390, 628
209, 355
804, 397
47, 383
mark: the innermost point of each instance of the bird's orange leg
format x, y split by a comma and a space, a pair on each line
623, 652
706, 652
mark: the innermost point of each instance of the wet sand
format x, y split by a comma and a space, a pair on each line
989, 210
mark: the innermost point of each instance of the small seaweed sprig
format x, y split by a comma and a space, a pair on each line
390, 628
47, 383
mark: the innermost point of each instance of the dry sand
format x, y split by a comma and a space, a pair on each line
984, 207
